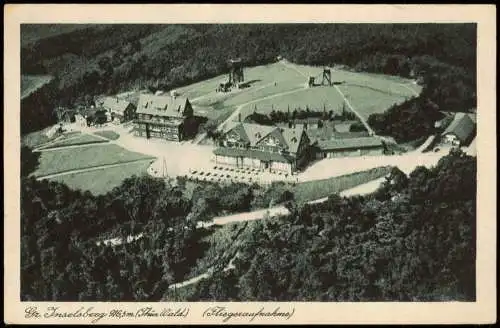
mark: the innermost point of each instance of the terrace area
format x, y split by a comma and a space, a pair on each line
227, 174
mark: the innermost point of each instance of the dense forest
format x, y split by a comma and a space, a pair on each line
108, 59
414, 239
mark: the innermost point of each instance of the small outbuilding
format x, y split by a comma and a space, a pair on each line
460, 131
360, 146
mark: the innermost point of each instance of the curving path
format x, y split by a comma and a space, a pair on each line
415, 93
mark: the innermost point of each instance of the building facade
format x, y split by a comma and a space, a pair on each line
362, 146
263, 147
162, 116
119, 109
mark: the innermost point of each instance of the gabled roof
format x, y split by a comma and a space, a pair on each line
350, 143
292, 137
255, 133
162, 105
462, 127
115, 105
88, 112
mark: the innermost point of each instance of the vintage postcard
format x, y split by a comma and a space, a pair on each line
250, 164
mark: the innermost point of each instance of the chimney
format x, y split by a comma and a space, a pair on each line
239, 117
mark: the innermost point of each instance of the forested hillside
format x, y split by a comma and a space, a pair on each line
413, 240
113, 58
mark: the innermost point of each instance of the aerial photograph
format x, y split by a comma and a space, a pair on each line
304, 162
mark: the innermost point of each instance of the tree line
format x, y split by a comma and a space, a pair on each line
278, 116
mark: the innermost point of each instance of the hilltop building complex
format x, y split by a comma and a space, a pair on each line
162, 116
263, 147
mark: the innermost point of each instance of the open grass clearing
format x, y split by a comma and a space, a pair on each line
102, 181
111, 135
265, 91
339, 74
317, 189
367, 101
40, 138
64, 160
257, 76
85, 139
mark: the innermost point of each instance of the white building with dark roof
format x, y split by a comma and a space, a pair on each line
162, 116
263, 147
118, 109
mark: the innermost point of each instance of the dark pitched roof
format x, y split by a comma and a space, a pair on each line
254, 133
115, 105
162, 105
293, 137
350, 143
462, 127
354, 134
88, 112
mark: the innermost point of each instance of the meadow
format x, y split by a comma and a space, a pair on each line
279, 86
57, 161
368, 101
39, 138
85, 139
111, 135
102, 181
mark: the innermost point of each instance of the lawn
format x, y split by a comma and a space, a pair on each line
368, 93
85, 139
257, 76
339, 75
39, 138
312, 190
63, 160
102, 181
111, 135
254, 94
368, 100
